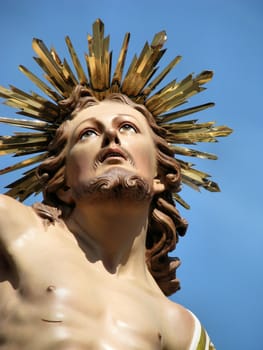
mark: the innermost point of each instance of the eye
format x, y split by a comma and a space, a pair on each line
128, 129
87, 133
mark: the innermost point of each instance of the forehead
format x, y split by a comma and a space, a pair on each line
105, 111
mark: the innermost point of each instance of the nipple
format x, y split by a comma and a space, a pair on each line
50, 288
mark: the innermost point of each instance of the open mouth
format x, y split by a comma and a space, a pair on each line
111, 154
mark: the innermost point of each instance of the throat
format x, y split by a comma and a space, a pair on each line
114, 239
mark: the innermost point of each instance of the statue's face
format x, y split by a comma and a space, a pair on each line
109, 136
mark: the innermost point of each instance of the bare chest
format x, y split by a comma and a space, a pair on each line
61, 296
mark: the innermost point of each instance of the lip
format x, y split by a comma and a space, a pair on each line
111, 153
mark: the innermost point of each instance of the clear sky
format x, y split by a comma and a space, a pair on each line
221, 277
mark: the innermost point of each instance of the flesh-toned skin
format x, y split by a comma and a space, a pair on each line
83, 283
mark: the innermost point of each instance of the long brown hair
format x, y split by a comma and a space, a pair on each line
165, 222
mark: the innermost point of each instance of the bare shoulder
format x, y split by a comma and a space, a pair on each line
178, 326
10, 207
7, 201
14, 217
182, 330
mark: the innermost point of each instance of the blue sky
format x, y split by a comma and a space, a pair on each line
221, 277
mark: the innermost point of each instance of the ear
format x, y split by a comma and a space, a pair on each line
65, 195
158, 186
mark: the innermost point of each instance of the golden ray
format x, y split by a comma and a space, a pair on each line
192, 153
117, 76
29, 124
51, 66
182, 113
25, 186
39, 83
24, 163
161, 76
80, 72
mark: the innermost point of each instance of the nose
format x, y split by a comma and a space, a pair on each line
110, 136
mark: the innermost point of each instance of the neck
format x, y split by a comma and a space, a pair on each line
112, 234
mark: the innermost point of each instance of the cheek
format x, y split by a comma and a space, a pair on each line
149, 166
78, 164
145, 160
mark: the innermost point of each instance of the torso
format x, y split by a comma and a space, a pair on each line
53, 298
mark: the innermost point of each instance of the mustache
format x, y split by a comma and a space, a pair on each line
119, 150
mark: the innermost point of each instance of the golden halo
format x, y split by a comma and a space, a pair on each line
138, 84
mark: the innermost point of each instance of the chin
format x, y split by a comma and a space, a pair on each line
115, 183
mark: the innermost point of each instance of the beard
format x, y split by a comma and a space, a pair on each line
115, 184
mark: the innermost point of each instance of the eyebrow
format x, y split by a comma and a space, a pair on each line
94, 120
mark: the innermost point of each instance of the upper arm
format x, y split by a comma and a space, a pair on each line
184, 331
178, 327
14, 217
9, 215
7, 206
